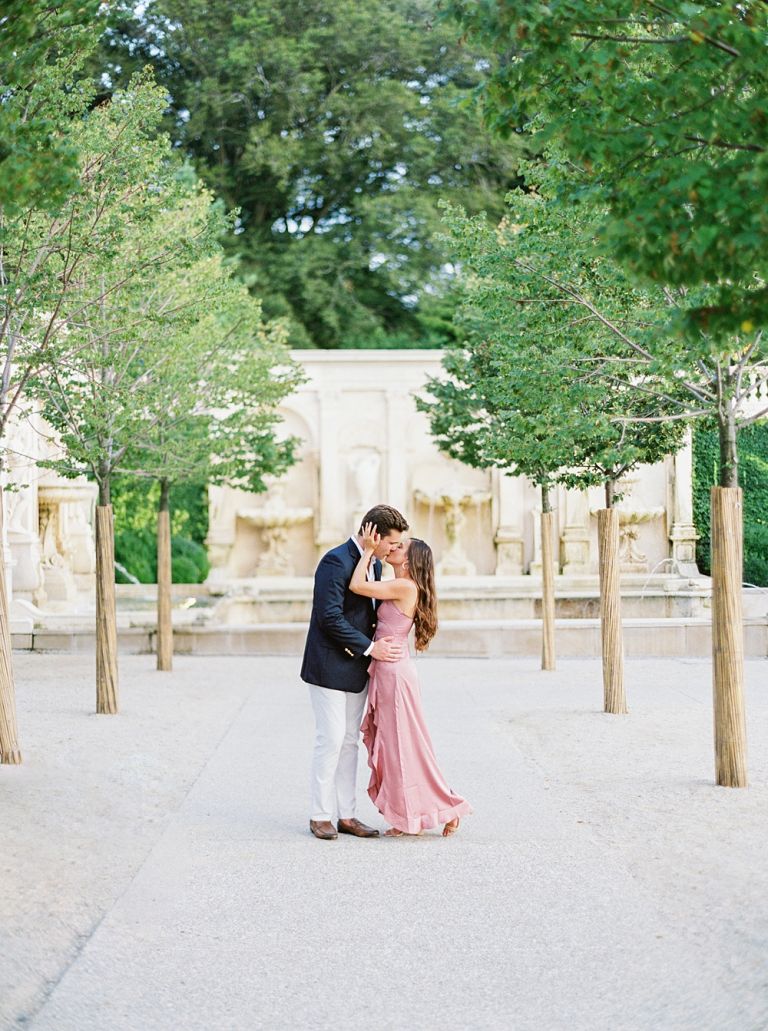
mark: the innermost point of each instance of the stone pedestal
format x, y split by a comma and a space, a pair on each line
508, 509
574, 539
66, 540
683, 535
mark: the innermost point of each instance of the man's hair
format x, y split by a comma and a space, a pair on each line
385, 518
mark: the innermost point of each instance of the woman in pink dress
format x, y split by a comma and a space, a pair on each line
406, 784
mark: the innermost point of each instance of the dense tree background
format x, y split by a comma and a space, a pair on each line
334, 126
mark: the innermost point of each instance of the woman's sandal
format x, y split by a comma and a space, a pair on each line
451, 827
393, 832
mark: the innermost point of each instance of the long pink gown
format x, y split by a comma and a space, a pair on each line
406, 784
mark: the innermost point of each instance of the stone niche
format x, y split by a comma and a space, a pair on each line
270, 534
47, 528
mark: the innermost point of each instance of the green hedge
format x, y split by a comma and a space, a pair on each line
753, 477
135, 507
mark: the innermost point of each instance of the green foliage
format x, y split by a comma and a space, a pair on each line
131, 301
665, 109
43, 46
753, 462
333, 127
135, 503
136, 551
189, 561
61, 270
212, 415
547, 381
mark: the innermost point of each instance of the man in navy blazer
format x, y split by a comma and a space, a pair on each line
337, 654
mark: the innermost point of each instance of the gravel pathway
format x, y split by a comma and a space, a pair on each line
158, 873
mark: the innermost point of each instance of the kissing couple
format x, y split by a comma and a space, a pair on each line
361, 676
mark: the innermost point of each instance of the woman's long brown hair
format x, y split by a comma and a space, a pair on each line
422, 570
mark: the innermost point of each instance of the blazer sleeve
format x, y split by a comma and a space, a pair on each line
331, 582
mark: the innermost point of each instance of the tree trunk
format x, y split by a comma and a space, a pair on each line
106, 618
728, 638
9, 742
610, 491
729, 456
614, 699
164, 620
547, 583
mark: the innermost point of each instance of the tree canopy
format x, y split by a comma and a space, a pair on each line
664, 107
546, 381
42, 46
334, 128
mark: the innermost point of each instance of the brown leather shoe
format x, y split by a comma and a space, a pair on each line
359, 830
323, 829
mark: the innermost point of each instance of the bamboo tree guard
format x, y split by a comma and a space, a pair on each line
164, 623
547, 592
9, 740
728, 638
106, 618
614, 698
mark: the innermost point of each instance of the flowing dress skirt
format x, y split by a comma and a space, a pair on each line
406, 784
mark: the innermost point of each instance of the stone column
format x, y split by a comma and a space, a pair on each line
8, 561
21, 523
507, 514
574, 540
683, 535
221, 532
331, 522
399, 413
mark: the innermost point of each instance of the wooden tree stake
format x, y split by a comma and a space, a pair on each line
106, 617
547, 592
9, 742
614, 699
728, 638
164, 619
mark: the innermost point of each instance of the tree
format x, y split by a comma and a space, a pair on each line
44, 254
38, 166
476, 417
101, 376
211, 416
531, 391
713, 378
664, 106
334, 128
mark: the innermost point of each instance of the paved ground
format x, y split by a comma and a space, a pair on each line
157, 874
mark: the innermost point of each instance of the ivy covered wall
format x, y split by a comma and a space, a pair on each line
753, 477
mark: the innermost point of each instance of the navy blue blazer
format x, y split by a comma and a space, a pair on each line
342, 624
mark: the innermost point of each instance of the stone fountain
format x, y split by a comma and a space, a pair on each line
454, 501
632, 514
275, 519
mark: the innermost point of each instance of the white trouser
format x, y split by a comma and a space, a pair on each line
338, 715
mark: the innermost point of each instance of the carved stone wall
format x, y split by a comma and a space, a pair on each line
363, 442
48, 527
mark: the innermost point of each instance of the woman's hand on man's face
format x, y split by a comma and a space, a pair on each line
371, 538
